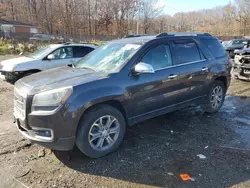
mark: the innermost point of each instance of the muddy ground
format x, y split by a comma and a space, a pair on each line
153, 154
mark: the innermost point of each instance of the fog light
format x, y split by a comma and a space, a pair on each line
43, 133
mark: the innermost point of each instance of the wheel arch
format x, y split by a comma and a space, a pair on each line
223, 79
113, 103
32, 71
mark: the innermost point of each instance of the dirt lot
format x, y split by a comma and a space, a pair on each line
154, 153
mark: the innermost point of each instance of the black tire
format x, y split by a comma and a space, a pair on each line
87, 121
11, 78
207, 106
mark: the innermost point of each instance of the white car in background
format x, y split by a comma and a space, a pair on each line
54, 55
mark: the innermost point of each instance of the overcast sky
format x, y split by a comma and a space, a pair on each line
174, 6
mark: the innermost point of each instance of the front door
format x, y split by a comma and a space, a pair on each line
63, 57
152, 93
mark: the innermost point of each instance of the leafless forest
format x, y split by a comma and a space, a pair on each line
122, 17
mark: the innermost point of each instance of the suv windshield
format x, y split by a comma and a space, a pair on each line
108, 58
233, 42
40, 53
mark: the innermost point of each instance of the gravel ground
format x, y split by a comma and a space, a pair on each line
153, 154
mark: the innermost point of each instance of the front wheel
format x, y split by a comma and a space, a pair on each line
12, 77
100, 131
215, 97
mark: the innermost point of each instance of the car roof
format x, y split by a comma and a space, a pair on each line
141, 39
72, 44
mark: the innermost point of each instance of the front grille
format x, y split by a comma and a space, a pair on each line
19, 104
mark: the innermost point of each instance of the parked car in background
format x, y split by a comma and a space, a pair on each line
54, 55
117, 85
59, 38
224, 43
235, 44
241, 65
41, 37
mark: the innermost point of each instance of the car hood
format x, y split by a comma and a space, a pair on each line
57, 78
16, 61
234, 46
243, 51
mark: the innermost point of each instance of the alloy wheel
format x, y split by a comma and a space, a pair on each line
103, 133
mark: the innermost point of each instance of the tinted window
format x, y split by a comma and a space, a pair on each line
185, 52
238, 41
215, 48
80, 51
159, 57
63, 53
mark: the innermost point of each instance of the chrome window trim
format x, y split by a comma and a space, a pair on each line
188, 63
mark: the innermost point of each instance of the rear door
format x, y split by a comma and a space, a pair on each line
63, 57
80, 51
193, 69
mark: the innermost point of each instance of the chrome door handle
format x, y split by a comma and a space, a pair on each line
204, 69
172, 76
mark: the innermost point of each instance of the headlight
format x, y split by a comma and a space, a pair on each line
50, 100
9, 67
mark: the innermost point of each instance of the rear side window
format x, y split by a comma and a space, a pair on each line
215, 47
80, 51
185, 52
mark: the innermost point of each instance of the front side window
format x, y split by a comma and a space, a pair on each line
185, 52
159, 57
63, 53
108, 58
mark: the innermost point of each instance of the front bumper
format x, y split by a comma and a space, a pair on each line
60, 126
230, 52
2, 76
241, 71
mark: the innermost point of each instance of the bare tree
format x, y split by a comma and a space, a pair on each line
149, 12
80, 18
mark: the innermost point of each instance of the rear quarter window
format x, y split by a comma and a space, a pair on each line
81, 51
215, 47
186, 51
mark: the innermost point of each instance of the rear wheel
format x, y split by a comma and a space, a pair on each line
215, 97
101, 131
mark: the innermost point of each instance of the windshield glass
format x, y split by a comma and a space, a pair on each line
108, 58
40, 53
236, 42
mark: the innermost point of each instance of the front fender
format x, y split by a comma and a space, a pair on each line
85, 99
34, 65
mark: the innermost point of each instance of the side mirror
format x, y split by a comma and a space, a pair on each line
51, 56
144, 68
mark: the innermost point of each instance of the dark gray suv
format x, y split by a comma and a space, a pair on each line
117, 85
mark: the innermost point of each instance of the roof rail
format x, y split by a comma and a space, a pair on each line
182, 34
88, 43
140, 35
66, 43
